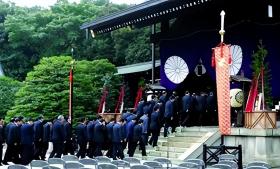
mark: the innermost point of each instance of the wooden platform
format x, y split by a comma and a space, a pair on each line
260, 119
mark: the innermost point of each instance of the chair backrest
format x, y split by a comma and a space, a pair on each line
121, 163
222, 166
88, 161
198, 162
16, 166
73, 165
153, 164
107, 166
132, 160
233, 164
259, 163
55, 161
164, 161
51, 167
227, 157
38, 163
189, 165
256, 167
69, 158
140, 166
103, 159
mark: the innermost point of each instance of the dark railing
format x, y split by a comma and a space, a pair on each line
211, 154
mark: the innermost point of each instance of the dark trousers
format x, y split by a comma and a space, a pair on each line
129, 146
38, 151
110, 149
142, 147
45, 149
27, 152
117, 151
82, 150
57, 150
184, 119
90, 149
1, 152
167, 124
98, 148
68, 148
12, 153
145, 138
154, 138
8, 154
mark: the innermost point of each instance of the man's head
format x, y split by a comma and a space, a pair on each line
60, 118
1, 121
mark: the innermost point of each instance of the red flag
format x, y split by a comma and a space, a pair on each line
222, 54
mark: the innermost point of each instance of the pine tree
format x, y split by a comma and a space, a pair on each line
259, 61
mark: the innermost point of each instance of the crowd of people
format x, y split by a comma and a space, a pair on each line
27, 139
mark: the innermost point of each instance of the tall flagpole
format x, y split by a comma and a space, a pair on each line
71, 73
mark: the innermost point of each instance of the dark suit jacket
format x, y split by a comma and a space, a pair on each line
13, 134
154, 121
38, 130
137, 133
168, 109
186, 103
2, 133
200, 105
46, 132
90, 130
109, 128
117, 133
68, 131
99, 130
27, 134
140, 108
129, 130
81, 132
58, 134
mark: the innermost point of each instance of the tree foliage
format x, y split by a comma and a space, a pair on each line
8, 89
28, 34
46, 88
259, 62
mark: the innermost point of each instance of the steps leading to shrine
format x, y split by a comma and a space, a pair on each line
185, 143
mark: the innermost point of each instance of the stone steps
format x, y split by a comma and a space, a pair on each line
184, 141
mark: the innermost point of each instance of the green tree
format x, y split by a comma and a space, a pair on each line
28, 34
8, 89
259, 62
46, 88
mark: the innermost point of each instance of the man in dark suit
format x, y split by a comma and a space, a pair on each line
90, 130
99, 130
27, 142
200, 107
129, 134
2, 133
8, 154
168, 114
13, 140
186, 108
137, 138
117, 140
38, 138
58, 137
155, 126
68, 148
81, 132
46, 137
109, 131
